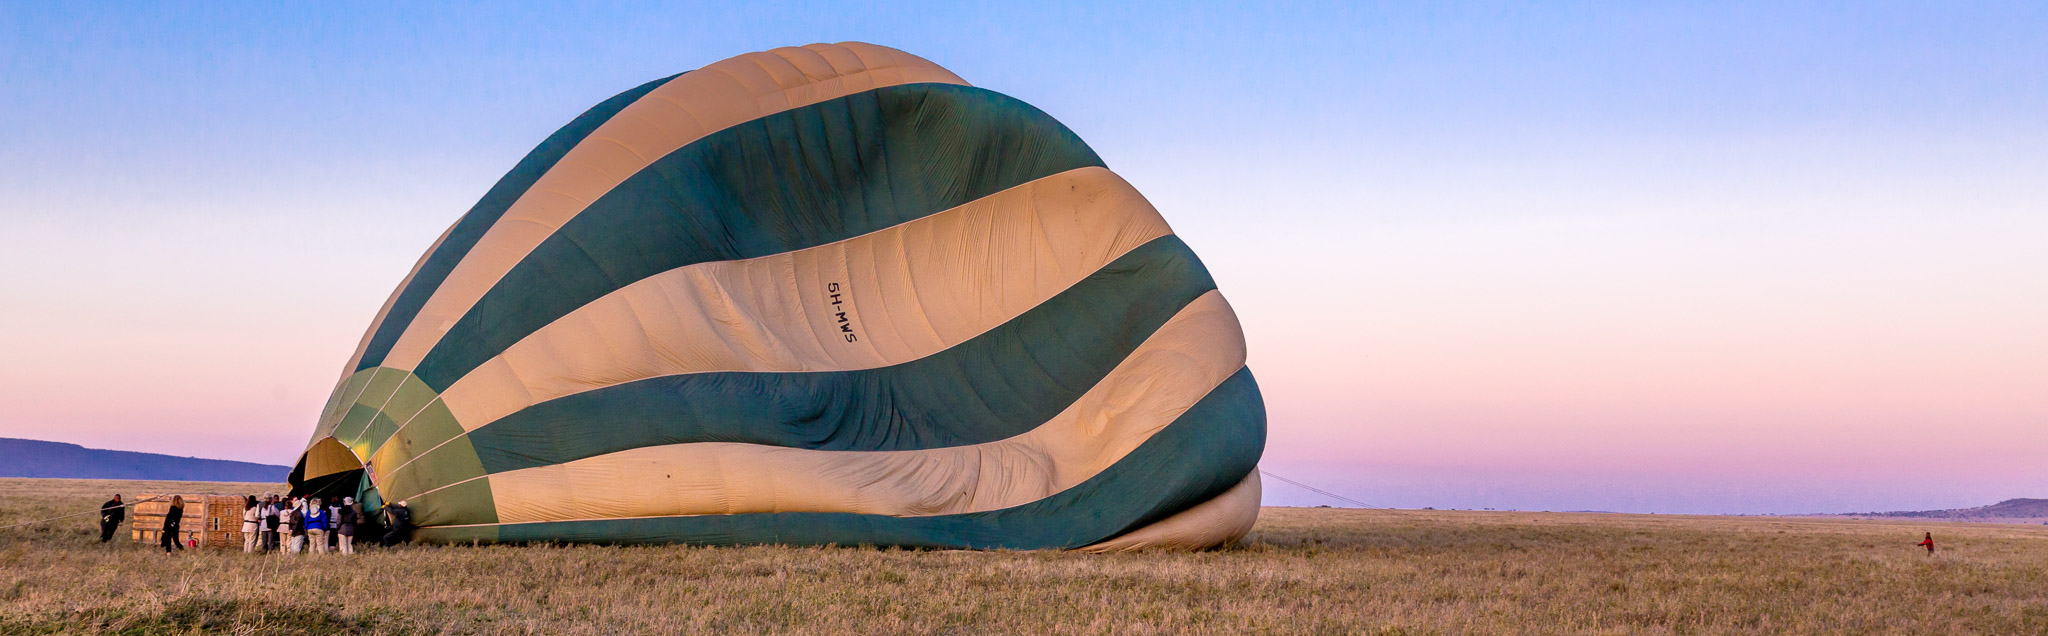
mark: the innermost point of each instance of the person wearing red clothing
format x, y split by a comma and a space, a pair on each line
1929, 542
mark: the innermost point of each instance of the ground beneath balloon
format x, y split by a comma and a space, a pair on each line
1301, 571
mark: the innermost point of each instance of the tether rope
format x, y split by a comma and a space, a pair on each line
80, 514
1320, 491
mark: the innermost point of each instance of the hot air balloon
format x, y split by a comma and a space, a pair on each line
820, 295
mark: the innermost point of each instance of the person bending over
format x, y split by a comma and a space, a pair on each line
398, 524
111, 514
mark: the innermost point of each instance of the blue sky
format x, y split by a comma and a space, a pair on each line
1712, 257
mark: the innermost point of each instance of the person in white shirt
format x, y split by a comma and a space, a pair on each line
252, 524
334, 524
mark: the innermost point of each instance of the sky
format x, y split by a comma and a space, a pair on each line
1680, 258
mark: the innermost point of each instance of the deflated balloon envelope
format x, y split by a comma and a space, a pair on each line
817, 295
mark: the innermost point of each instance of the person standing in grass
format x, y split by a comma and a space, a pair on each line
270, 513
111, 514
278, 532
168, 538
316, 525
333, 523
263, 512
252, 524
283, 534
1928, 542
295, 524
345, 526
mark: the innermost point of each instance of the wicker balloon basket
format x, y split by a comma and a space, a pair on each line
211, 521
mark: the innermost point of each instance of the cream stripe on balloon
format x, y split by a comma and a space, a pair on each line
1176, 367
879, 299
1221, 520
687, 108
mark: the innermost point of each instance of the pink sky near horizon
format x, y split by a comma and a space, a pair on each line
1580, 349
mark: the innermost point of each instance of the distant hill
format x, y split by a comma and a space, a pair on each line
2008, 511
36, 458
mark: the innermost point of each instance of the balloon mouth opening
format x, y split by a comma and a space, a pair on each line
327, 469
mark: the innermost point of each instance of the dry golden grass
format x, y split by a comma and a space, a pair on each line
1302, 571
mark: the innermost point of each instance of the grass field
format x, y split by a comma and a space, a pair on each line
1302, 571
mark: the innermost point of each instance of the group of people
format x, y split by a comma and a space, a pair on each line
299, 524
289, 524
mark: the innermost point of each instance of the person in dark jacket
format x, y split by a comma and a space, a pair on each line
111, 514
169, 538
397, 523
295, 522
345, 519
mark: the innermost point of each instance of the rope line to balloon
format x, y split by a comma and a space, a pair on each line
80, 514
1320, 491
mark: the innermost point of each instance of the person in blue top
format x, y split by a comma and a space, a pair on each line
316, 526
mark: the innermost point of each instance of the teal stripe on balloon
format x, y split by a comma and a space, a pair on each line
996, 385
787, 181
1204, 452
471, 227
